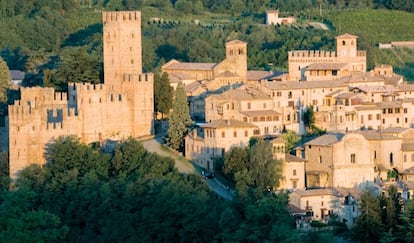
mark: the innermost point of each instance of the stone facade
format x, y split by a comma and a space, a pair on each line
122, 107
272, 18
323, 65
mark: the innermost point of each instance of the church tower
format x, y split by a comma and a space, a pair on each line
236, 55
122, 47
346, 47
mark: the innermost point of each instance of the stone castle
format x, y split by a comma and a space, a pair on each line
121, 107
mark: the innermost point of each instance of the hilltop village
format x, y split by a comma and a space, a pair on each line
367, 114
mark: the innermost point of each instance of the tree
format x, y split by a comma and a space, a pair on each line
262, 173
235, 160
5, 80
291, 139
407, 220
180, 120
368, 227
162, 94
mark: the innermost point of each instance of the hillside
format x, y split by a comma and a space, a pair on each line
379, 26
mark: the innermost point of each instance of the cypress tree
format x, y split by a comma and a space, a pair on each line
180, 120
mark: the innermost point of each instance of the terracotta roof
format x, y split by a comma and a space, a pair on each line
227, 74
178, 77
339, 192
377, 89
394, 130
346, 36
255, 75
190, 66
333, 93
389, 104
406, 87
326, 139
193, 86
289, 85
346, 95
326, 66
242, 93
376, 135
295, 210
228, 124
293, 158
260, 113
407, 147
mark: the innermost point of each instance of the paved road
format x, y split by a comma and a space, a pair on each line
184, 166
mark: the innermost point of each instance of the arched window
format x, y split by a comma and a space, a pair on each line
343, 43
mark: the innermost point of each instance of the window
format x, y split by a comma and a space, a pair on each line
389, 110
391, 159
378, 116
294, 184
288, 118
234, 134
294, 172
290, 95
405, 158
384, 111
405, 110
353, 158
249, 106
375, 154
369, 117
320, 159
397, 110
246, 133
398, 120
223, 134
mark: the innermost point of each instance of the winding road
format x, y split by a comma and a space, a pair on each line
184, 166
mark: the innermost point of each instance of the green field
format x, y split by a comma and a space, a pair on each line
379, 26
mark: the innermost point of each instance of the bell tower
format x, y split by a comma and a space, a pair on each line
122, 47
236, 54
346, 47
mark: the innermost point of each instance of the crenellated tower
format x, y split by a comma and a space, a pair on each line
122, 46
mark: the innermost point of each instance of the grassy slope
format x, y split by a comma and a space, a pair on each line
379, 26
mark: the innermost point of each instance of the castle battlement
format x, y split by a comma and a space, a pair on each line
85, 86
312, 54
121, 16
144, 77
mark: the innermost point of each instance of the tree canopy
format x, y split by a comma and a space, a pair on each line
180, 120
83, 194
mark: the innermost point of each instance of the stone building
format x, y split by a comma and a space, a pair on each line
122, 107
327, 65
272, 18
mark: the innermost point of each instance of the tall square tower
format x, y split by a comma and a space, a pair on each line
122, 47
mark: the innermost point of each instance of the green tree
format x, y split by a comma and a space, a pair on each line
368, 227
291, 139
76, 64
262, 173
235, 160
406, 228
21, 221
180, 120
162, 94
5, 80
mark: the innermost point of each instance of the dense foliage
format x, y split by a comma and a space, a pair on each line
180, 120
85, 195
59, 41
384, 218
